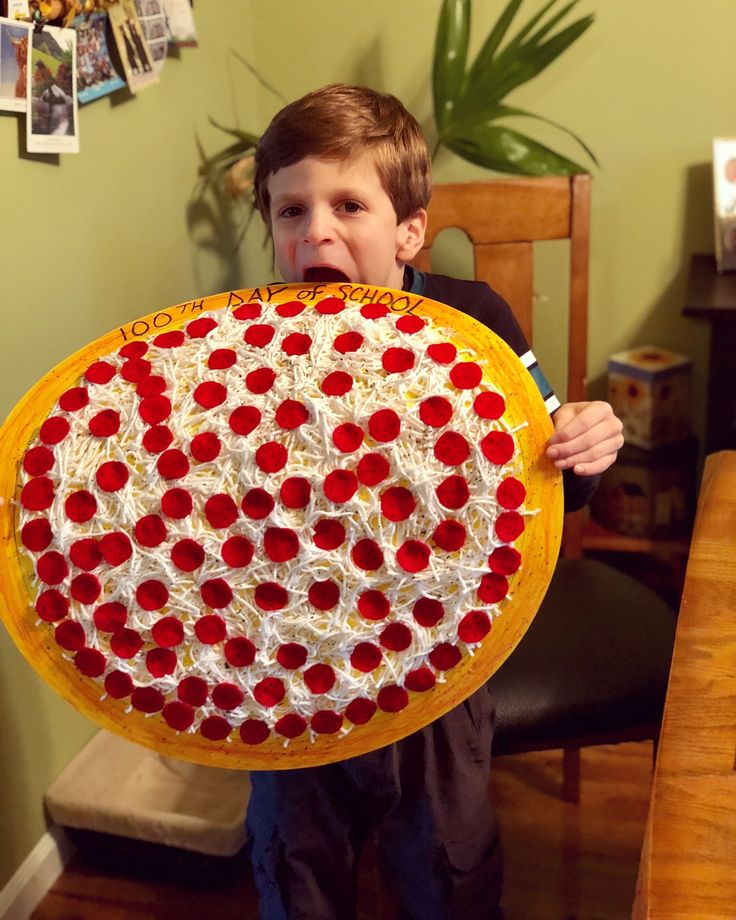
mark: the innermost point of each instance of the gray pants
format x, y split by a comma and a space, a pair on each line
426, 795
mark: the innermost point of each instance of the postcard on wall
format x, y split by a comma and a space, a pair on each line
132, 46
724, 193
13, 65
18, 9
180, 18
153, 21
96, 73
53, 123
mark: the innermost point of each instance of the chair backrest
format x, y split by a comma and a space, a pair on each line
503, 219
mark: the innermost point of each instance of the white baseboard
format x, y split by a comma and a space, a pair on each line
33, 878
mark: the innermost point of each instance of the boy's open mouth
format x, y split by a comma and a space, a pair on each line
324, 273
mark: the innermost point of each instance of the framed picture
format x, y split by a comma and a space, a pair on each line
724, 191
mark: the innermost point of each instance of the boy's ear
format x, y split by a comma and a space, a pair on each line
410, 236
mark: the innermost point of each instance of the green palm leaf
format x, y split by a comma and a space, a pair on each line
506, 150
450, 55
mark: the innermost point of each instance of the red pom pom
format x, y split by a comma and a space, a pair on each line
257, 504
210, 629
466, 375
237, 552
420, 680
442, 353
187, 555
269, 691
216, 592
340, 486
150, 530
99, 372
135, 369
509, 526
80, 506
428, 611
176, 504
366, 657
474, 626
372, 469
510, 493
239, 652
90, 662
85, 588
498, 447
54, 430
157, 439
38, 494
178, 716
85, 553
260, 380
37, 461
348, 342
270, 596
227, 696
173, 464
154, 409
328, 534
290, 308
199, 328
393, 698
171, 339
397, 360
326, 722
374, 605
397, 503
52, 568
367, 555
36, 536
271, 457
116, 548
453, 492
374, 310
320, 678
504, 560
126, 643
205, 446
328, 306
110, 617
445, 656
70, 635
215, 728
410, 324
449, 536
52, 606
324, 595
435, 411
249, 311
220, 510
413, 555
259, 334
221, 358
210, 394
338, 383
74, 399
291, 725
192, 690
291, 655
160, 662
347, 437
112, 475
244, 419
296, 343
489, 405
360, 710
168, 632
118, 685
253, 731
493, 588
384, 425
280, 544
451, 448
152, 594
133, 350
295, 492
396, 637
152, 385
104, 424
291, 414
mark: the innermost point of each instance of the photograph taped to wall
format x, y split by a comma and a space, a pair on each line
96, 73
132, 45
13, 65
724, 193
153, 22
53, 125
180, 19
18, 9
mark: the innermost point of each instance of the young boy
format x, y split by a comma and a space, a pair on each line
343, 182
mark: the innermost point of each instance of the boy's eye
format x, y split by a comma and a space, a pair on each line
352, 207
293, 210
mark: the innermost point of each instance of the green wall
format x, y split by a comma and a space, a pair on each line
90, 241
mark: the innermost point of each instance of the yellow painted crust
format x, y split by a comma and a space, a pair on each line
539, 543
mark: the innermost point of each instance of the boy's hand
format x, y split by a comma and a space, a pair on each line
587, 437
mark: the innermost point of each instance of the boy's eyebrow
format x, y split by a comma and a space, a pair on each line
296, 194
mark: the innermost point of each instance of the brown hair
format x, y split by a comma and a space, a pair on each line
339, 122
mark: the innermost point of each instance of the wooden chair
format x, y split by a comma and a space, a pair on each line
593, 666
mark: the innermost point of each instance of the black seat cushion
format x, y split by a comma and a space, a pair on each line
595, 660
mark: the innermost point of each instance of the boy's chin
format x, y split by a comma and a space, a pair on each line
324, 274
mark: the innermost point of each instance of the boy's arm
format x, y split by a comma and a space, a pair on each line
585, 442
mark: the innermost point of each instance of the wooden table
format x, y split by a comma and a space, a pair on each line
688, 862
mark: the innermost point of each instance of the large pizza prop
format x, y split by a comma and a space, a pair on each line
277, 527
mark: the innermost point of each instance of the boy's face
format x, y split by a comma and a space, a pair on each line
332, 220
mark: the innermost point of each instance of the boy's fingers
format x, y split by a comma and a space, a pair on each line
600, 454
575, 419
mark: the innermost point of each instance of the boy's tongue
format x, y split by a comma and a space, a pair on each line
324, 273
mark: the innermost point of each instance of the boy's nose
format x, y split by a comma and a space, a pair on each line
318, 226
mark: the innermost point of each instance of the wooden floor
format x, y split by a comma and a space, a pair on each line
563, 861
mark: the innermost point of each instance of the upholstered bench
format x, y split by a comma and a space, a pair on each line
136, 810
